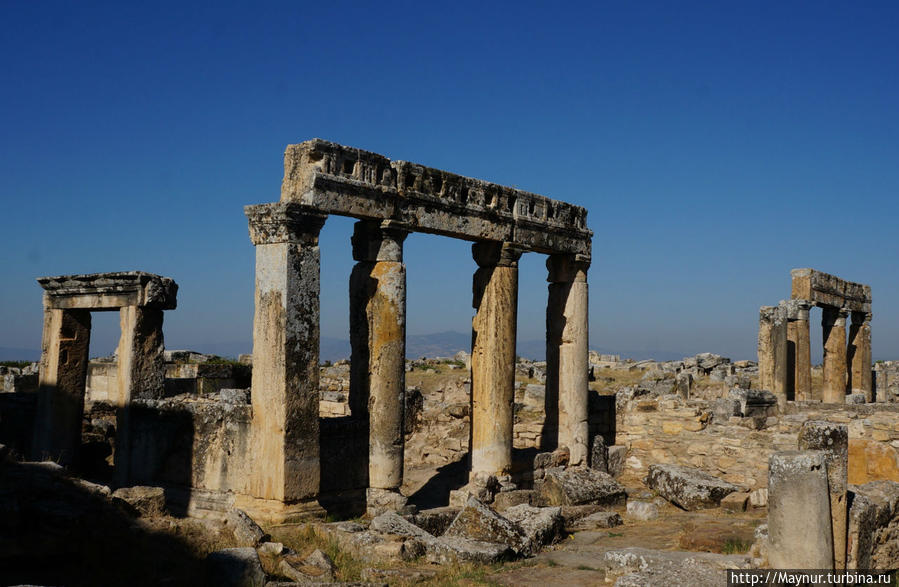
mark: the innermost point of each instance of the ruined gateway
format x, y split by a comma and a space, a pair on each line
700, 433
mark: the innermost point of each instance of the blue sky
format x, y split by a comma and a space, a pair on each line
715, 145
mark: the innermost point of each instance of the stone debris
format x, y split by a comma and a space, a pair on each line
758, 498
540, 525
577, 486
507, 499
235, 567
315, 568
643, 567
686, 487
147, 501
246, 531
642, 510
594, 521
478, 522
735, 502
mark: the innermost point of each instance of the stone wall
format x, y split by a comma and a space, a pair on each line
736, 446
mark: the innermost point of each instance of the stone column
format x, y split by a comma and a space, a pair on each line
798, 340
495, 300
833, 441
833, 322
378, 375
566, 351
284, 457
772, 350
141, 375
799, 523
64, 356
859, 355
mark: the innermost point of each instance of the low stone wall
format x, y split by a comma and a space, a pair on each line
736, 448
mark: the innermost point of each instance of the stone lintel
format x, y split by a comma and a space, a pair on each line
284, 222
109, 291
823, 289
334, 179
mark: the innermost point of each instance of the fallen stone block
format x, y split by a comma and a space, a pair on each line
595, 521
451, 549
758, 498
642, 510
615, 459
540, 525
146, 501
688, 488
507, 499
234, 567
246, 531
579, 486
599, 455
478, 522
395, 524
645, 567
735, 502
435, 520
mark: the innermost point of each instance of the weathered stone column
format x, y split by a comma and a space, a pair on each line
567, 341
833, 441
833, 322
798, 341
64, 356
799, 523
378, 375
141, 375
495, 300
772, 350
859, 355
284, 457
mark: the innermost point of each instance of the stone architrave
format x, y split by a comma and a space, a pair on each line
378, 332
772, 349
567, 364
284, 463
833, 441
859, 355
799, 522
833, 323
495, 300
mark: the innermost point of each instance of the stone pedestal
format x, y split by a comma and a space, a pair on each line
495, 300
64, 356
566, 352
772, 351
284, 455
833, 441
799, 355
799, 522
833, 322
378, 333
859, 355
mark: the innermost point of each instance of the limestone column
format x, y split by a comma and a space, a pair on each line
860, 355
495, 300
772, 351
833, 322
284, 456
378, 332
833, 441
63, 370
566, 351
799, 523
141, 374
799, 341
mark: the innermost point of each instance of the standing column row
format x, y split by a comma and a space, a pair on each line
859, 355
833, 324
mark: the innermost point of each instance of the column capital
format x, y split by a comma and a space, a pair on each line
375, 240
861, 317
284, 222
567, 268
495, 254
833, 316
797, 309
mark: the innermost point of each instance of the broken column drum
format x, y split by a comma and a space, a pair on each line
390, 199
140, 299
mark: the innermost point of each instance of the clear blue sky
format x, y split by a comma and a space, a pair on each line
716, 146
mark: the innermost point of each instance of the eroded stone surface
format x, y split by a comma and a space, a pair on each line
686, 487
578, 486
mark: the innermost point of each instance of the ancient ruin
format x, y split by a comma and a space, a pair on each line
784, 343
391, 199
140, 298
